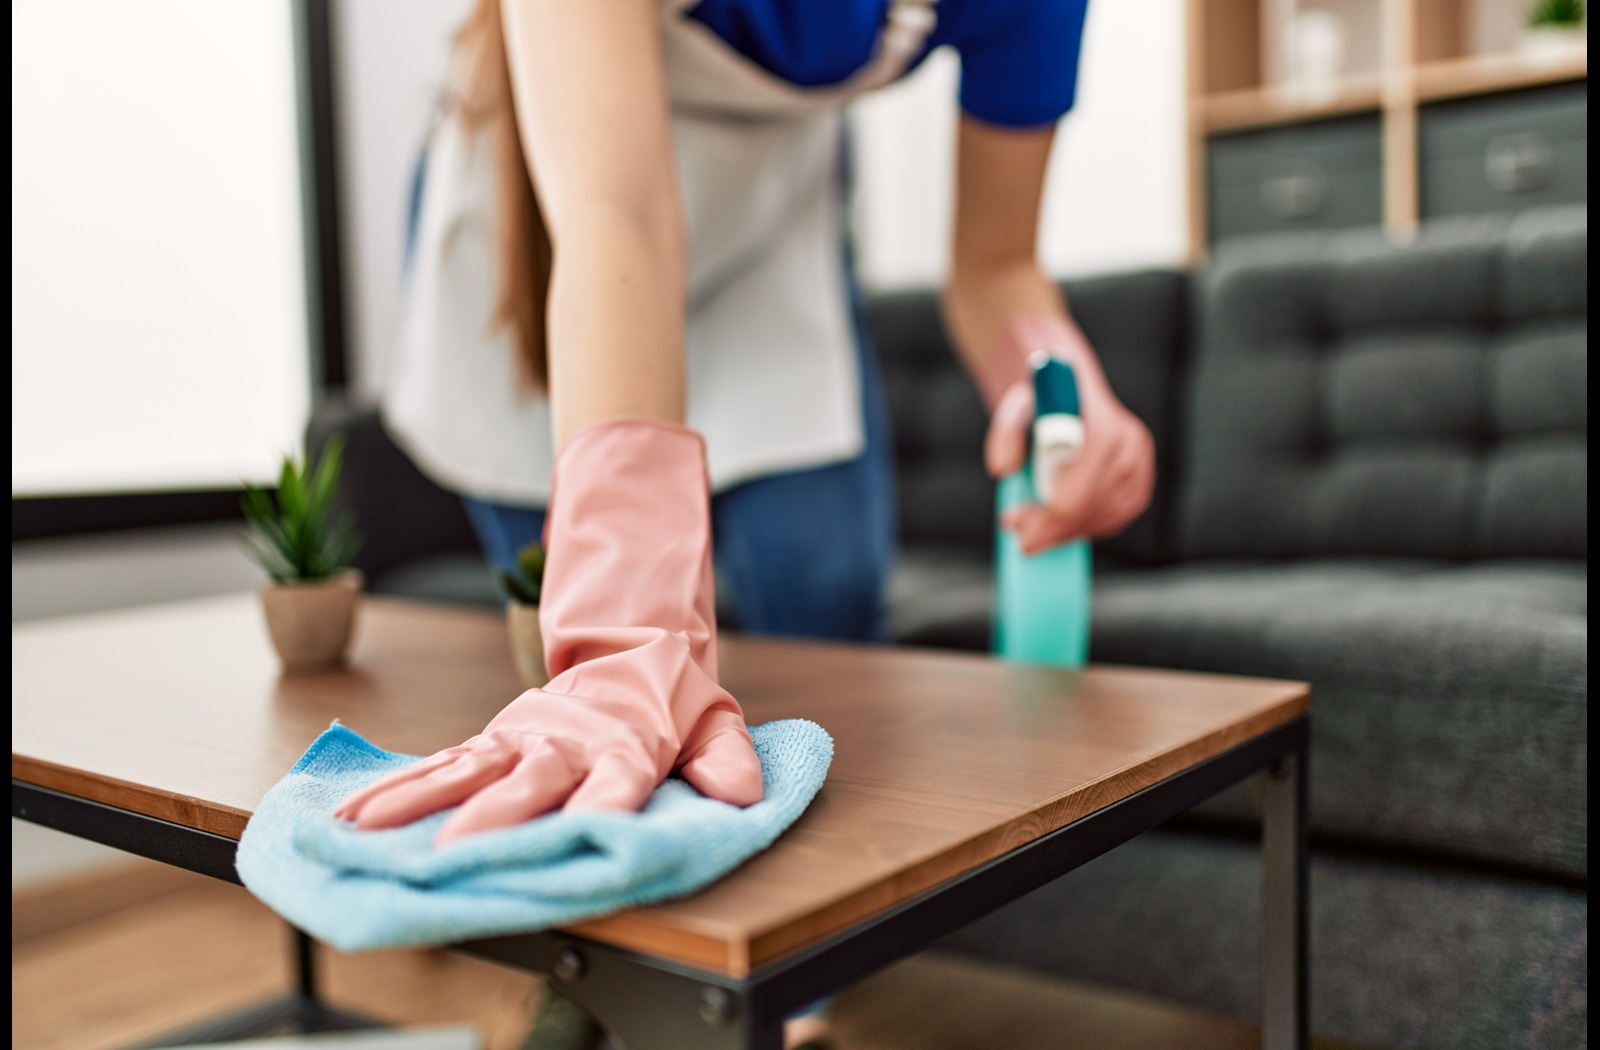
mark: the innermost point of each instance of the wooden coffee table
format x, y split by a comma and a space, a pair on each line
959, 784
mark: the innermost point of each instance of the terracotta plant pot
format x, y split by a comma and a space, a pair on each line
310, 623
527, 644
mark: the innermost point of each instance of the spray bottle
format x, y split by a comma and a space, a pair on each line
1042, 600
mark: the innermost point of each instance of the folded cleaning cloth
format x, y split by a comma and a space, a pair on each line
387, 889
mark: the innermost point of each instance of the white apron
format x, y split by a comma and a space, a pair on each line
774, 378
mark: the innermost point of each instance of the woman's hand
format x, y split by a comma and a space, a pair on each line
630, 640
550, 750
1099, 492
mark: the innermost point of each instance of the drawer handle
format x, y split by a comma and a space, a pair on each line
1517, 163
1295, 194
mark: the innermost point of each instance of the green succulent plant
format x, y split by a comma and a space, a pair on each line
526, 583
1557, 13
293, 532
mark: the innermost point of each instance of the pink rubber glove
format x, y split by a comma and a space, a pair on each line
1109, 483
631, 645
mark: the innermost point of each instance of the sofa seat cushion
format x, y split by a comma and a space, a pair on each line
1450, 704
941, 596
1450, 700
1422, 956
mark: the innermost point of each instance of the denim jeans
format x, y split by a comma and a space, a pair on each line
804, 554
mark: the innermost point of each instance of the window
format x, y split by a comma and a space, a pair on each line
159, 337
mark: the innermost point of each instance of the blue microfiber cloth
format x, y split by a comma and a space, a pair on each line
388, 889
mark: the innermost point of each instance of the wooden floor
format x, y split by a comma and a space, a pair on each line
114, 958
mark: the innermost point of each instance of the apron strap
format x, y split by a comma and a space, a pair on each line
905, 31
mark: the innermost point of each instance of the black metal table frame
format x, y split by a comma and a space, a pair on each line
653, 1004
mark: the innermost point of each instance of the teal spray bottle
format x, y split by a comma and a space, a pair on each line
1042, 600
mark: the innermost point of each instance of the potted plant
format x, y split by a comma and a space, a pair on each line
1556, 28
522, 587
310, 599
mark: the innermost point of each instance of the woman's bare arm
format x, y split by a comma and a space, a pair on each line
995, 275
589, 84
1001, 306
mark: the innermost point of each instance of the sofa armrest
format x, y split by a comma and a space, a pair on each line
401, 514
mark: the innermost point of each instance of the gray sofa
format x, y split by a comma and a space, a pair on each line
1373, 476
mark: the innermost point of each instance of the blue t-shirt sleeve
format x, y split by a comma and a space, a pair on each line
1022, 70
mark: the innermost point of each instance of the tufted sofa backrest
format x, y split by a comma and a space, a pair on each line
1352, 397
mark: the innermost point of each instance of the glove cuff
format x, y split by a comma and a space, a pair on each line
628, 542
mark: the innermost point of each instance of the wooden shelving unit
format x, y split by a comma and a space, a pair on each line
1398, 55
1260, 107
1479, 74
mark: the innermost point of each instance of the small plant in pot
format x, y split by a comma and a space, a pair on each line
1556, 29
311, 597
522, 588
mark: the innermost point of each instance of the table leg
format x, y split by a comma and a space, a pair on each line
305, 963
648, 1022
302, 1013
644, 1004
644, 1029
1284, 962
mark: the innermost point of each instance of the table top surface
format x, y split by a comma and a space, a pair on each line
943, 761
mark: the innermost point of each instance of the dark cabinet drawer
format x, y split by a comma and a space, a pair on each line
1319, 176
1504, 153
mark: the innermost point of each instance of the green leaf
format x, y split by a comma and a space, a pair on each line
1557, 13
530, 563
257, 505
269, 559
326, 479
289, 500
525, 582
295, 536
321, 487
342, 544
516, 588
264, 519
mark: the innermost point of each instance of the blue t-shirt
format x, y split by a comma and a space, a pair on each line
1019, 58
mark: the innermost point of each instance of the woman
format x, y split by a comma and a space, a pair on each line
670, 247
